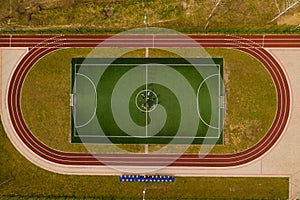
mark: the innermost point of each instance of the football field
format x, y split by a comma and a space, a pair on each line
147, 100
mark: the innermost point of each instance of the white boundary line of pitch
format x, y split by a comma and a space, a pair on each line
146, 76
219, 109
127, 64
146, 79
146, 113
127, 136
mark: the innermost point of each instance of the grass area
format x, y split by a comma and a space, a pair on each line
246, 82
98, 16
20, 179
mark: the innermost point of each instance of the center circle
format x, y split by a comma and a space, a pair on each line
146, 100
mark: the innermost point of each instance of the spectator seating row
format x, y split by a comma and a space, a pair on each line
147, 178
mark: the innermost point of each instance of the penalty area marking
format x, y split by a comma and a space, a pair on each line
198, 109
95, 107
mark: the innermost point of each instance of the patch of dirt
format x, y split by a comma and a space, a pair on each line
238, 133
134, 148
189, 6
289, 19
155, 147
226, 75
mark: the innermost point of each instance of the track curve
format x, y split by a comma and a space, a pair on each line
253, 45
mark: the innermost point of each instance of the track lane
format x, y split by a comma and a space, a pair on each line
245, 44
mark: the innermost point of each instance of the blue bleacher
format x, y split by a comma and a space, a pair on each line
146, 178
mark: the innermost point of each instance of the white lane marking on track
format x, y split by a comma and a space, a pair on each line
276, 78
235, 156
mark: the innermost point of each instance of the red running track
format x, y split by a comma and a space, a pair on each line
41, 45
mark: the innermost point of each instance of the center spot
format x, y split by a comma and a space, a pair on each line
146, 100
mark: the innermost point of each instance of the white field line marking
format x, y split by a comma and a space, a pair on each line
146, 107
146, 113
127, 136
219, 109
180, 137
147, 55
74, 107
198, 110
71, 100
95, 109
222, 102
152, 64
146, 129
147, 52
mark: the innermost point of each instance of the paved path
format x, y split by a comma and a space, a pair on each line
9, 57
284, 158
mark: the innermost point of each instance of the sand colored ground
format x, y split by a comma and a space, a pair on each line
293, 19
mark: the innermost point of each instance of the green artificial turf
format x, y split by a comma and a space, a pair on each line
85, 126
